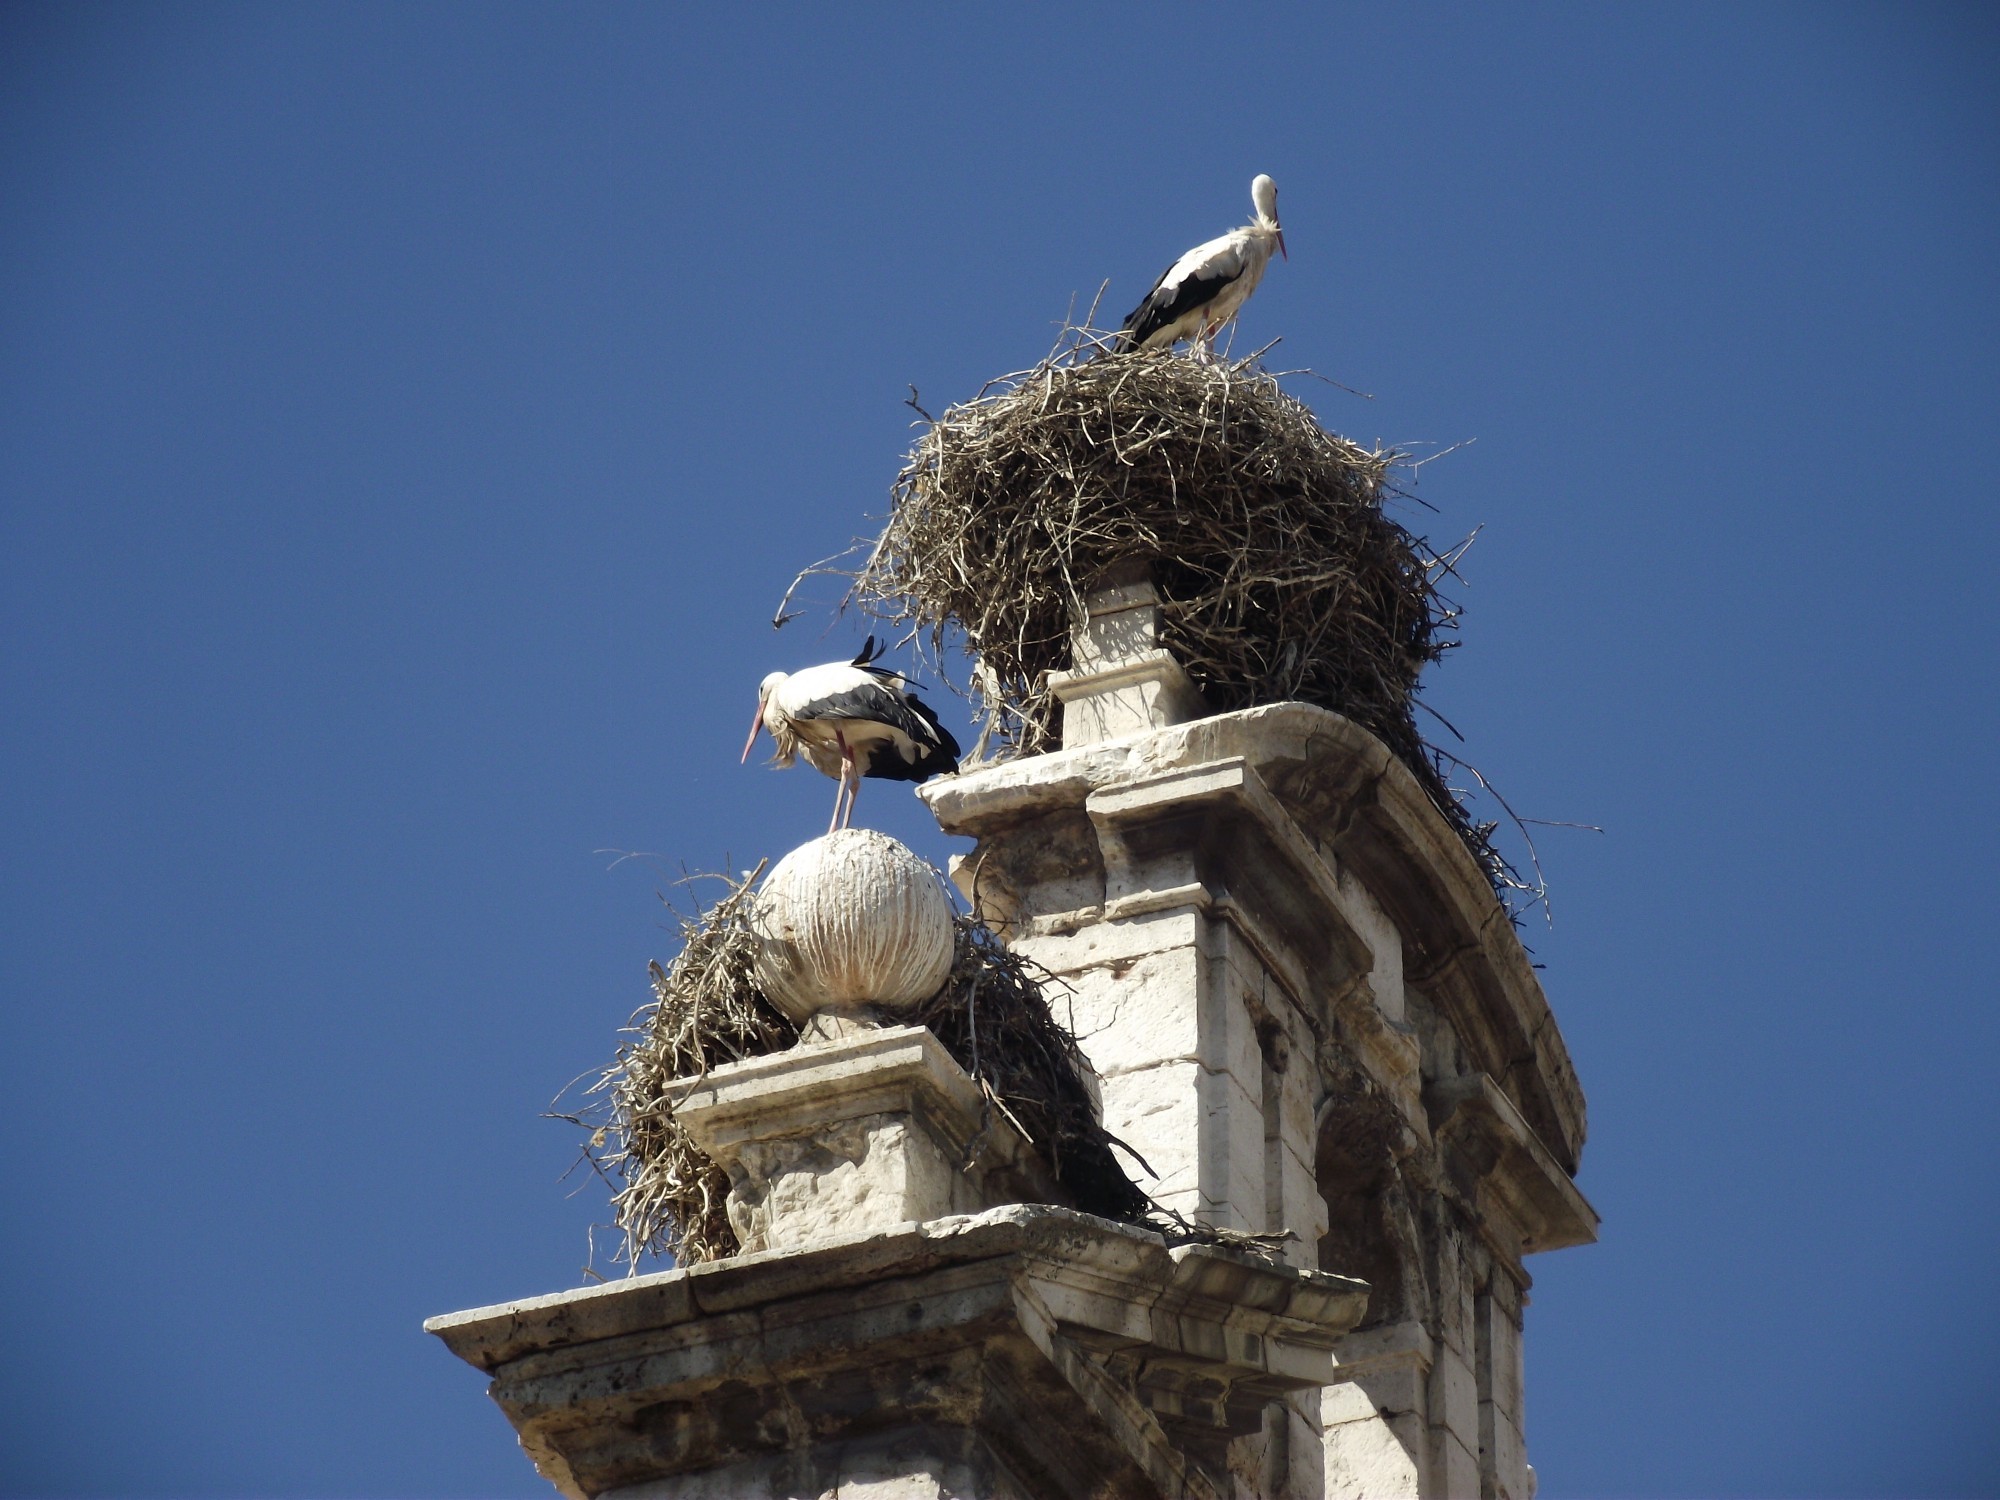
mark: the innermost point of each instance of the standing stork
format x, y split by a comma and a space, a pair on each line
1208, 286
852, 719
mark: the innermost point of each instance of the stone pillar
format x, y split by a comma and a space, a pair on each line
1309, 1014
877, 1128
1122, 678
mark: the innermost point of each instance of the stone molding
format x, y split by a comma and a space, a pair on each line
1534, 1194
1027, 1351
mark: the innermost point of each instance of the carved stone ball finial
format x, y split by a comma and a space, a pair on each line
850, 922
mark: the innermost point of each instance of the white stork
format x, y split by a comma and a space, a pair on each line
1208, 286
849, 720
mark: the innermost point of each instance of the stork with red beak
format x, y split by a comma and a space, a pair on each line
1208, 286
850, 720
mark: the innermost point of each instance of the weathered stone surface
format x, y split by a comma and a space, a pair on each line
1520, 1183
1232, 1169
1149, 1109
1453, 1399
1373, 1457
1385, 943
1112, 946
835, 1139
1504, 1454
1137, 1014
1132, 697
1030, 1351
1299, 1208
1453, 1467
920, 1464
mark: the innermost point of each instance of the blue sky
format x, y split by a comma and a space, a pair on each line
410, 415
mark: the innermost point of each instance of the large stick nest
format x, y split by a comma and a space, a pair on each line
1280, 576
992, 1016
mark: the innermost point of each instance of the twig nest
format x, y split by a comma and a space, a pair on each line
852, 919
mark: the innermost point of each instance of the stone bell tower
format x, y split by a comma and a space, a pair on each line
1307, 1012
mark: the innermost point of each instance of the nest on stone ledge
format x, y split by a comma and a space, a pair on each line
1279, 575
992, 1016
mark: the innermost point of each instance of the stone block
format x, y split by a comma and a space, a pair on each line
1139, 1014
1300, 1207
851, 1178
1147, 691
1453, 1400
1303, 1449
1394, 1387
839, 1139
1298, 1087
1372, 1457
1504, 1455
655, 1301
1232, 1154
1366, 916
1197, 1129
1453, 1467
1455, 1293
1113, 944
1157, 1112
1500, 1336
1345, 1401
1229, 1040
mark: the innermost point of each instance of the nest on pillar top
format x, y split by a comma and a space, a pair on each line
1280, 578
991, 1014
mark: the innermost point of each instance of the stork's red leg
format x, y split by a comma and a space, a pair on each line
843, 799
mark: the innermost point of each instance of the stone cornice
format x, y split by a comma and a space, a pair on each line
1086, 1349
1363, 809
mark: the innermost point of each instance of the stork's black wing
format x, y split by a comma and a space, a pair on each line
940, 757
879, 703
1168, 303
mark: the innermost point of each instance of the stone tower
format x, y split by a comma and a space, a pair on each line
1307, 1012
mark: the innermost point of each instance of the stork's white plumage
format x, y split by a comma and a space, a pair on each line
849, 720
1208, 286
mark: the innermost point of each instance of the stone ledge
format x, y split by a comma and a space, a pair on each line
1078, 1345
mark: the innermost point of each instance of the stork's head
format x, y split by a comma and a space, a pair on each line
1264, 197
764, 690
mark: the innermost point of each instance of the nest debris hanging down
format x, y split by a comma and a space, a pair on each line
706, 1011
1279, 575
991, 1015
